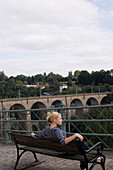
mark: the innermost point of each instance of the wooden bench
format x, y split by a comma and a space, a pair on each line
52, 147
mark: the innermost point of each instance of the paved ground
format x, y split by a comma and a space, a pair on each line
8, 158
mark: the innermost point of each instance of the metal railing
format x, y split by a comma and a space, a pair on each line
95, 123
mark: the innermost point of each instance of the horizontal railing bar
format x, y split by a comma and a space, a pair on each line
23, 121
26, 110
92, 134
58, 108
90, 120
82, 107
85, 134
23, 131
78, 120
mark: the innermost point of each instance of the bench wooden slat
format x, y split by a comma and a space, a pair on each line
46, 143
58, 153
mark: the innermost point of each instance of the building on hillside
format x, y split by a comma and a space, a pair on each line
31, 85
62, 86
35, 86
41, 86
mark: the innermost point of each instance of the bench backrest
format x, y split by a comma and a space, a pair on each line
73, 147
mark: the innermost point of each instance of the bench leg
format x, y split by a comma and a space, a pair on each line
92, 166
102, 163
36, 160
18, 157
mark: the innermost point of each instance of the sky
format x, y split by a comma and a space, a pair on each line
55, 36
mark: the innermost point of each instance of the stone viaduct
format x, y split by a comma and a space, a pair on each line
54, 101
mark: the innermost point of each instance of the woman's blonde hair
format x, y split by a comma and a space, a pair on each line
52, 116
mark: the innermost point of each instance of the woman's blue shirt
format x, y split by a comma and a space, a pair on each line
55, 133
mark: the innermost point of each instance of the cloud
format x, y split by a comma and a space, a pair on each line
55, 35
26, 24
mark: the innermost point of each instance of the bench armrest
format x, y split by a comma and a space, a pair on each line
99, 147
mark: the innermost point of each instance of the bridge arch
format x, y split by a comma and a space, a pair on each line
76, 112
76, 102
38, 105
17, 106
105, 100
38, 115
56, 103
19, 115
91, 101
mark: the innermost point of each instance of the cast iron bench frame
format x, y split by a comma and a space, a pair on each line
52, 147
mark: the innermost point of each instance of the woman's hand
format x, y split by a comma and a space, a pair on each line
32, 134
70, 138
79, 136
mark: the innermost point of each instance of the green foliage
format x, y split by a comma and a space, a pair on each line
70, 75
110, 96
2, 76
69, 83
84, 78
14, 126
102, 127
98, 81
97, 127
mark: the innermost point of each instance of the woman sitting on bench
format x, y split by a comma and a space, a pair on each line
53, 131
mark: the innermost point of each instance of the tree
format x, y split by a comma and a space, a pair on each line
70, 76
44, 78
69, 83
51, 78
84, 78
2, 76
21, 77
39, 77
76, 74
32, 91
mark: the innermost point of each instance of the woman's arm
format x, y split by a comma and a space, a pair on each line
39, 135
70, 138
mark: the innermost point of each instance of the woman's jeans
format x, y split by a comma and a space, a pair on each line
83, 164
84, 145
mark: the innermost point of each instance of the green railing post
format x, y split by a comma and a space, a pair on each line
62, 111
6, 138
68, 121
